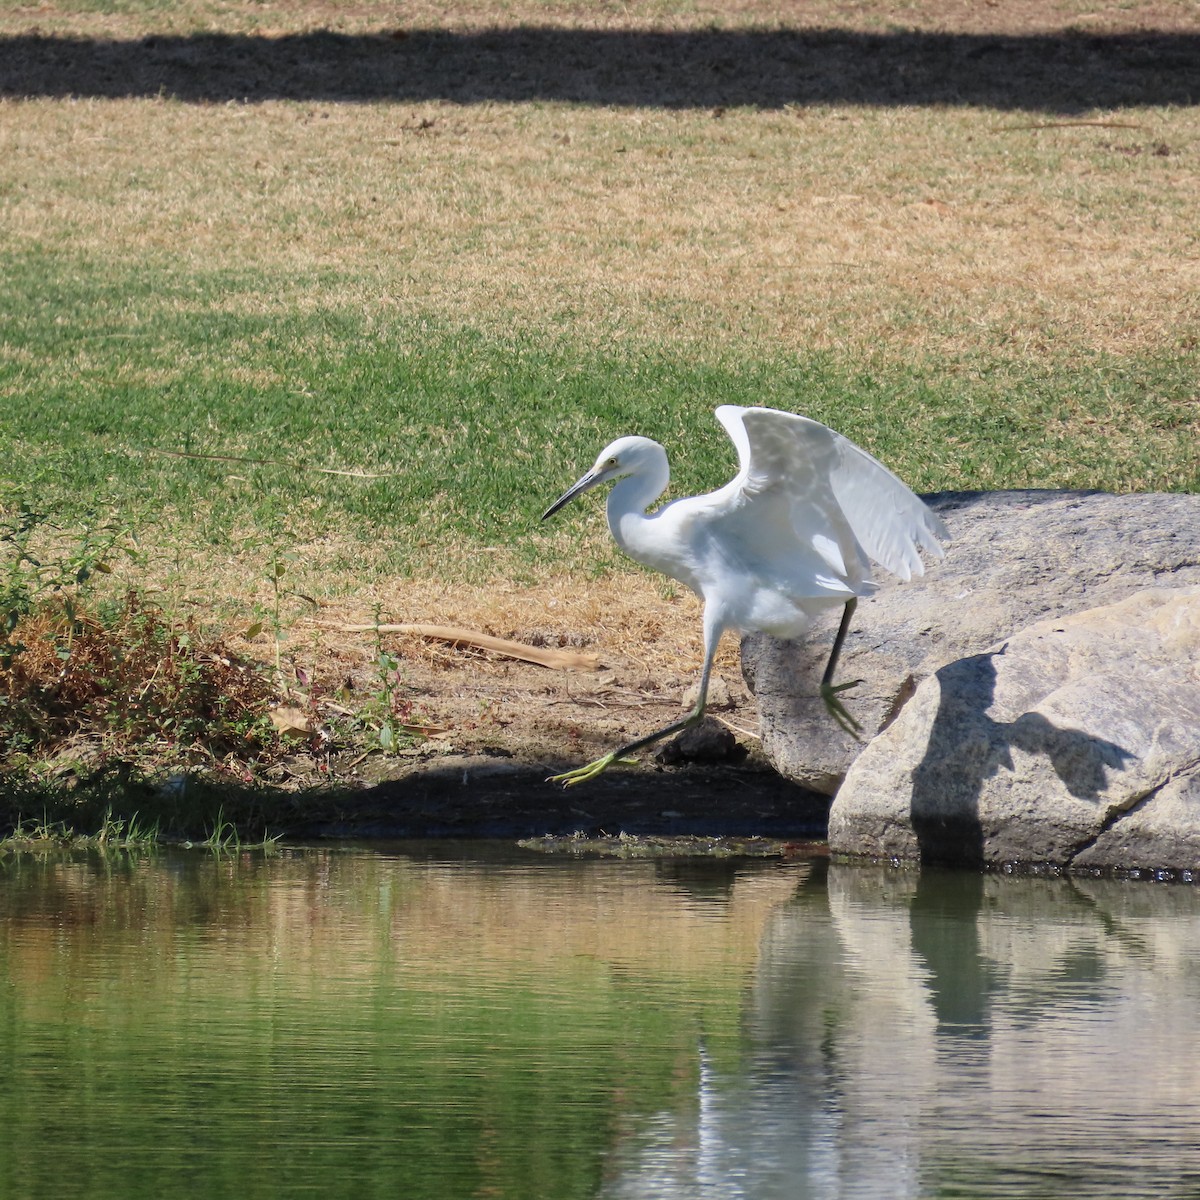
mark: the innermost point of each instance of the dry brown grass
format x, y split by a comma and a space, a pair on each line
127, 686
647, 638
903, 232
289, 16
644, 630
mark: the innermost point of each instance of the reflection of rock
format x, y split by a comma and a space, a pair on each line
916, 1034
1075, 742
1016, 558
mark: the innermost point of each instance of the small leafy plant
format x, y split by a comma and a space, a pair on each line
393, 709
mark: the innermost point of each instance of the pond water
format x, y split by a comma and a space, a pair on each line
439, 1022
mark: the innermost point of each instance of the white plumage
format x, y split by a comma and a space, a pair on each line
792, 534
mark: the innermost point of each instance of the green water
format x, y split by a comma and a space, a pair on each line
476, 1022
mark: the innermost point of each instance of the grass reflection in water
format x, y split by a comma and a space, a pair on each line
333, 1022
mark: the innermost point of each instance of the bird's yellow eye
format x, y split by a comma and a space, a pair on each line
612, 462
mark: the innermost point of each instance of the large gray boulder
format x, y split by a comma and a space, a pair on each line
1075, 742
1017, 557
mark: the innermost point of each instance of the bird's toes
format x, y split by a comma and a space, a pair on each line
834, 688
837, 710
583, 774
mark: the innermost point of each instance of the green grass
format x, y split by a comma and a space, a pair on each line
112, 832
121, 807
463, 436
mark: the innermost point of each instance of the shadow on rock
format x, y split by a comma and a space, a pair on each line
967, 746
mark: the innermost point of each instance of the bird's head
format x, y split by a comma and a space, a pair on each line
625, 456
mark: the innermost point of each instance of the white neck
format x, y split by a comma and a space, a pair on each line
632, 495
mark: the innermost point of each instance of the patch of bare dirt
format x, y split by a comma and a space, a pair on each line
492, 728
472, 700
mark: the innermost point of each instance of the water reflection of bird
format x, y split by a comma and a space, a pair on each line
791, 535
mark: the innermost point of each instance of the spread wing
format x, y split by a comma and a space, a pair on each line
835, 498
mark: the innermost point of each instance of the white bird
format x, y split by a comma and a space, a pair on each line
791, 535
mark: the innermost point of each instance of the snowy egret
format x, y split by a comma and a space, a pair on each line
790, 536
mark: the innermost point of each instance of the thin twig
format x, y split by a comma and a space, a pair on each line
542, 656
736, 728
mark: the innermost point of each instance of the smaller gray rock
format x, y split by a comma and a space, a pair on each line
709, 741
1075, 742
1161, 833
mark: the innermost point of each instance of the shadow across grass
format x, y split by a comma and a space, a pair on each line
1064, 73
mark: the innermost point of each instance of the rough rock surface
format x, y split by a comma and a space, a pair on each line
1076, 742
1017, 557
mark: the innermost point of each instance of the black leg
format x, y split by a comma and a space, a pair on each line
829, 690
835, 653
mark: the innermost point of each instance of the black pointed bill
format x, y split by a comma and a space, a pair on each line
590, 480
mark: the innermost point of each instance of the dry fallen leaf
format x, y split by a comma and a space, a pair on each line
291, 721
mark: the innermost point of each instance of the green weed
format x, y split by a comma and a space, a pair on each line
224, 837
111, 833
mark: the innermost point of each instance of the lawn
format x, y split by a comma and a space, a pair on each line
363, 291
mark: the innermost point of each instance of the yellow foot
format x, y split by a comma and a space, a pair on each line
837, 710
583, 774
